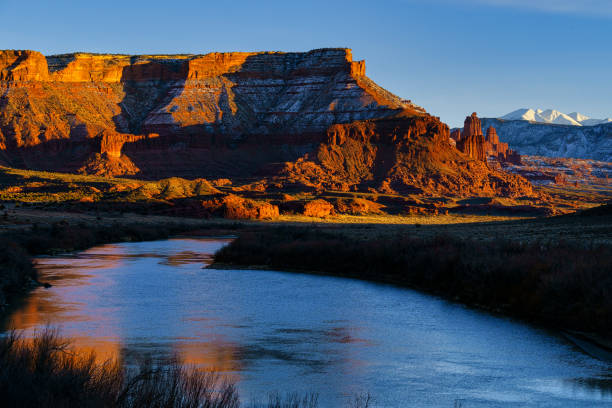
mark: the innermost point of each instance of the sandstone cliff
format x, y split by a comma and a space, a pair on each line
472, 141
499, 150
398, 155
314, 118
233, 93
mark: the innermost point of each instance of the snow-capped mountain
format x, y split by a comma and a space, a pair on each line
554, 117
555, 140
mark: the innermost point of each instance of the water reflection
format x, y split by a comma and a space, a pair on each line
276, 331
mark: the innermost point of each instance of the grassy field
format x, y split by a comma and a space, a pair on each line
386, 219
70, 192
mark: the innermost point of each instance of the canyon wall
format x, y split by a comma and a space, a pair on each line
236, 114
234, 93
399, 155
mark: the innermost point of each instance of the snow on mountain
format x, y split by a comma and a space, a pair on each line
521, 114
586, 121
554, 117
554, 140
578, 117
593, 122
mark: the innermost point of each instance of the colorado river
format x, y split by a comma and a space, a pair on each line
287, 332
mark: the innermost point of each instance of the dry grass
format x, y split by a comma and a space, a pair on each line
387, 219
45, 371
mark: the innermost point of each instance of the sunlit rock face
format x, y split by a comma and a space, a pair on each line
57, 103
260, 93
499, 150
405, 155
472, 141
237, 114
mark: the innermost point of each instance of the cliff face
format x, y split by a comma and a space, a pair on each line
398, 155
499, 150
229, 93
219, 115
22, 66
472, 141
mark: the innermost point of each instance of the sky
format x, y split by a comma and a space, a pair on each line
452, 57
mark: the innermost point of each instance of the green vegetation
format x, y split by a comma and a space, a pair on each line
171, 188
29, 186
181, 197
79, 191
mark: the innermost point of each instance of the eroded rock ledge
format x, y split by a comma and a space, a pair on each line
311, 119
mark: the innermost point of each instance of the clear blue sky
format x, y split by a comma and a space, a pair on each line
452, 57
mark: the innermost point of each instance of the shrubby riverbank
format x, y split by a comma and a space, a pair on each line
564, 284
560, 284
17, 273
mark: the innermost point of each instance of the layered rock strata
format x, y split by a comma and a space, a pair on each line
405, 155
472, 142
280, 116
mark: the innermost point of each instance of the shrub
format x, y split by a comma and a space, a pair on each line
318, 208
44, 372
560, 284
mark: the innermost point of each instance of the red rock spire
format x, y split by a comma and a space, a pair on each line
472, 141
492, 135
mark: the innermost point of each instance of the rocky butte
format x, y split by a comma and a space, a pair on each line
499, 150
295, 120
473, 143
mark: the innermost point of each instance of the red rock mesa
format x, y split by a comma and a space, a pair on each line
299, 120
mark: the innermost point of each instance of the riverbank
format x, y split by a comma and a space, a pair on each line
46, 372
560, 282
554, 282
551, 270
24, 241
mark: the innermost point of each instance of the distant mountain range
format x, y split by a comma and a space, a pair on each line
554, 117
539, 138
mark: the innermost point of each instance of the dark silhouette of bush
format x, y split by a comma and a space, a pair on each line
16, 270
46, 372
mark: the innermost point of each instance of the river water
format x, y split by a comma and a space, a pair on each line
287, 332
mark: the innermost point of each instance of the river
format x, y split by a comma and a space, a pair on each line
288, 332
